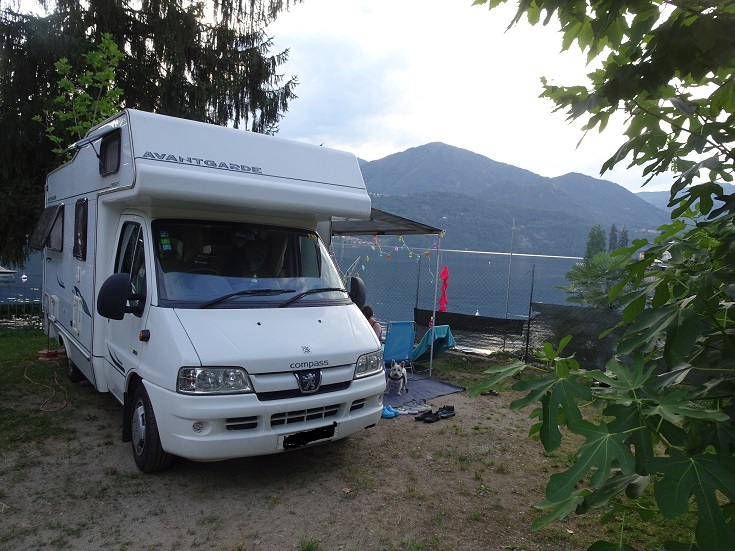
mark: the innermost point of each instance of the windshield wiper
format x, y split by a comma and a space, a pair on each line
256, 292
310, 292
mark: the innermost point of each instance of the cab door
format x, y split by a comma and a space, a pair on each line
123, 343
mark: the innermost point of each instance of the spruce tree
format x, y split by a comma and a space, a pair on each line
207, 61
595, 242
612, 240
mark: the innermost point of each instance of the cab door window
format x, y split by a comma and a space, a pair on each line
131, 260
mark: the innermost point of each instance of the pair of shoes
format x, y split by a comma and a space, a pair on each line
405, 410
389, 413
445, 412
432, 417
423, 416
419, 405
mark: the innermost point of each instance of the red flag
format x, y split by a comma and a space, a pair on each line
443, 301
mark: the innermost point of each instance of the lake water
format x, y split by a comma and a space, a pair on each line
399, 278
20, 291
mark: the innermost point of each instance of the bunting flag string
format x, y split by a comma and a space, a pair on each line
385, 250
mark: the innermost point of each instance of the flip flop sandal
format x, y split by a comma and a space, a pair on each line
423, 415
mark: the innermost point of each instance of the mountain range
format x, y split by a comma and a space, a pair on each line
483, 203
660, 199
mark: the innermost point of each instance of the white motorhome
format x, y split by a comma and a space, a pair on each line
183, 273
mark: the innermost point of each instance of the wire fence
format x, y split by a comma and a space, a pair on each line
505, 302
508, 303
20, 306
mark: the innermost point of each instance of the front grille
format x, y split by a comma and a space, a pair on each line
241, 423
357, 404
302, 415
296, 393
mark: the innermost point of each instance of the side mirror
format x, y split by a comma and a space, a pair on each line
357, 291
113, 296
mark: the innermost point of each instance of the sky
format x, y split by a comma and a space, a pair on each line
377, 77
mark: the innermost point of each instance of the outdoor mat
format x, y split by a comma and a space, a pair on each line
421, 389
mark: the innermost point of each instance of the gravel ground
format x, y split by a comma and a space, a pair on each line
464, 483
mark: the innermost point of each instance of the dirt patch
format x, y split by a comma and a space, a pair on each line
468, 482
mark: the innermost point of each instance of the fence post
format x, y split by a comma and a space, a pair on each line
530, 312
418, 283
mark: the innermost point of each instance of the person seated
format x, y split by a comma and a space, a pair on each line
367, 310
256, 253
247, 258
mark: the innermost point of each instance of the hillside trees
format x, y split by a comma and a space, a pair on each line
662, 447
208, 61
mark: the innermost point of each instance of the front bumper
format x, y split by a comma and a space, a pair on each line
213, 428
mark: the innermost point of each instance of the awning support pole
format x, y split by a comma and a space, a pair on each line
433, 312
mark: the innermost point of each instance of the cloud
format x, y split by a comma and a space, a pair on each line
380, 76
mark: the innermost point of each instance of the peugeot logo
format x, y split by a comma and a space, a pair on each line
309, 381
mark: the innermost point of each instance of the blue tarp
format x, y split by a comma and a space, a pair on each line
421, 389
443, 340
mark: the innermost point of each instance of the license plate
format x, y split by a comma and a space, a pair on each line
298, 439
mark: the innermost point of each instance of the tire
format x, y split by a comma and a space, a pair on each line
147, 451
72, 371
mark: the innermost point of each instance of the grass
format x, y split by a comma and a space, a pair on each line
307, 544
40, 409
34, 397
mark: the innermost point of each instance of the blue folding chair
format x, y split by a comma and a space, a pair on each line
399, 340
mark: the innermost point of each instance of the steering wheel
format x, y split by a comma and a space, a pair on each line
203, 270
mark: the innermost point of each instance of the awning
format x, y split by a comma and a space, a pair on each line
381, 223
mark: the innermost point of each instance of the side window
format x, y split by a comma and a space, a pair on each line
81, 210
131, 260
49, 230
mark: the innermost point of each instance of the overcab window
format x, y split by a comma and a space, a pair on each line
110, 153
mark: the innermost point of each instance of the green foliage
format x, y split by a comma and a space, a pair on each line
86, 99
670, 68
651, 432
591, 280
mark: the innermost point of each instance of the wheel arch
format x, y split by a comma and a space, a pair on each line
133, 381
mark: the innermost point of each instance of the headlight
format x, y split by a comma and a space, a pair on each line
213, 380
369, 364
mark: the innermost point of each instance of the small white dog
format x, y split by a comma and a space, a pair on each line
397, 378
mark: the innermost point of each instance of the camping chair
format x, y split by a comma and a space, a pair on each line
399, 339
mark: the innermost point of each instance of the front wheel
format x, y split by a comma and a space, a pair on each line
147, 451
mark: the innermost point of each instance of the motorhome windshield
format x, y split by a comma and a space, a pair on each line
212, 264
